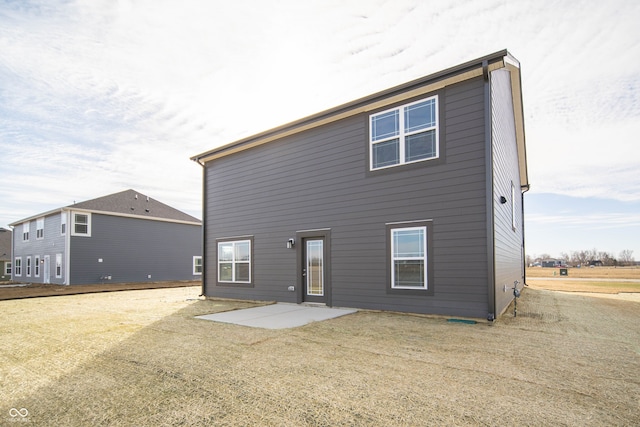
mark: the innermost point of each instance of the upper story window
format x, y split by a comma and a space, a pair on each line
405, 134
40, 228
25, 232
63, 223
81, 224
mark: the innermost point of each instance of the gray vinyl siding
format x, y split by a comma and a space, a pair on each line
509, 255
319, 179
131, 249
51, 244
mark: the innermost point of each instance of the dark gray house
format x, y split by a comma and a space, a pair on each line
122, 237
5, 255
407, 200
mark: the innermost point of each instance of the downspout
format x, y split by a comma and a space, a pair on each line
523, 189
491, 288
204, 222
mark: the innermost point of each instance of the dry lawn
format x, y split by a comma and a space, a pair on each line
606, 280
140, 358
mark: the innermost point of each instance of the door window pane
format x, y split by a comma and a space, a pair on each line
315, 268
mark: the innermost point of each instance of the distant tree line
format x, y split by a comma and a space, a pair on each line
587, 257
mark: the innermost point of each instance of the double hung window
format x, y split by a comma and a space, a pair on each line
409, 258
17, 266
404, 134
25, 232
40, 229
81, 224
197, 265
234, 261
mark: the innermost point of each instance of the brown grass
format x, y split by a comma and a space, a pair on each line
141, 358
606, 280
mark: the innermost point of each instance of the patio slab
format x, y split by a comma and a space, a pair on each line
278, 316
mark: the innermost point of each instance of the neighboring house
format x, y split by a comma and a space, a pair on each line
5, 255
122, 237
410, 200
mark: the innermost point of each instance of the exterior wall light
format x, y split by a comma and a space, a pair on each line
290, 243
503, 200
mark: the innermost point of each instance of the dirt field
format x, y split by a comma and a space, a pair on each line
141, 358
45, 290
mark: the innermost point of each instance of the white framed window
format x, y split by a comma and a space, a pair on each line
513, 206
36, 266
63, 223
25, 232
409, 258
234, 261
81, 224
17, 266
7, 268
28, 262
40, 229
405, 134
197, 265
58, 266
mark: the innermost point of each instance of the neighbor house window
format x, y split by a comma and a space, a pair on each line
404, 134
25, 232
40, 228
28, 260
197, 265
63, 223
81, 224
18, 266
7, 268
234, 261
58, 265
36, 266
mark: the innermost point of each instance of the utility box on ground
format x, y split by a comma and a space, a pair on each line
564, 272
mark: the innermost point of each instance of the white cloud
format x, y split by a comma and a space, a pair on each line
100, 95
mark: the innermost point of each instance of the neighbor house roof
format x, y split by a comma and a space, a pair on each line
5, 244
129, 203
476, 68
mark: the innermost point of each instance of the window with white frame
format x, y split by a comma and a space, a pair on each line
58, 266
17, 266
234, 261
25, 232
63, 223
7, 268
40, 229
81, 224
28, 261
197, 265
409, 258
513, 206
36, 266
404, 134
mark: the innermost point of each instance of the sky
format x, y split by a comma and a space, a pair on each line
99, 96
